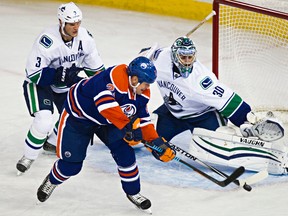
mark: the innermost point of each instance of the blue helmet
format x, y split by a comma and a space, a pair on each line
144, 69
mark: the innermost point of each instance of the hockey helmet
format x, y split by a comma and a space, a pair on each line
144, 69
183, 53
69, 13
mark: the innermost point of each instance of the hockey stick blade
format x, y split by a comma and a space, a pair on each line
238, 172
254, 178
219, 172
229, 178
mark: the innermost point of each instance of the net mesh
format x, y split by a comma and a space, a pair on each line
253, 55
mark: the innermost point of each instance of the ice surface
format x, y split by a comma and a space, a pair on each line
172, 188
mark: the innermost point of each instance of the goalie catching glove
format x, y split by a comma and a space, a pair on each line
267, 129
162, 151
133, 133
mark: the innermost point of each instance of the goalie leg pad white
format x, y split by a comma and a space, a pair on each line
231, 150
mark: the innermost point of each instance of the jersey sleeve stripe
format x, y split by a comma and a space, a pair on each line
101, 94
73, 104
108, 99
231, 105
107, 106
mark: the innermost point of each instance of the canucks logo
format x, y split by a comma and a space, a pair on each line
46, 41
206, 82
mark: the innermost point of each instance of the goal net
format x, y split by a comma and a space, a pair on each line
250, 51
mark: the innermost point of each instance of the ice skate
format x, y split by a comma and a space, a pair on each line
45, 189
49, 148
141, 202
23, 165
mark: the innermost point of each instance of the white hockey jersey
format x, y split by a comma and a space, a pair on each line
193, 96
49, 50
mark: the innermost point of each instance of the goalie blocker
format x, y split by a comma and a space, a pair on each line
224, 147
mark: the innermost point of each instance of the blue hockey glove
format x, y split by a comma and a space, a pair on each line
133, 133
167, 154
67, 76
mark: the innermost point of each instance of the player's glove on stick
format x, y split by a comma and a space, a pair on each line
133, 133
167, 154
67, 76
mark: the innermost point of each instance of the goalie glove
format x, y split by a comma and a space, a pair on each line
267, 129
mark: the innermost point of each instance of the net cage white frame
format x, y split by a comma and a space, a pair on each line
250, 44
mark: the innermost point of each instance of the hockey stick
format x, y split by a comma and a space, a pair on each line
228, 178
201, 23
241, 183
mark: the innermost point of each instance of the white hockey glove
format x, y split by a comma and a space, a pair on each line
268, 128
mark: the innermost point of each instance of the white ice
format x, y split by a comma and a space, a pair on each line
172, 188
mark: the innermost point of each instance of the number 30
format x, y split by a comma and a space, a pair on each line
218, 91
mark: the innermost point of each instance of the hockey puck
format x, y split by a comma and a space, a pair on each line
247, 187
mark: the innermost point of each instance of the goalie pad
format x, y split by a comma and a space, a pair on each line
226, 149
268, 128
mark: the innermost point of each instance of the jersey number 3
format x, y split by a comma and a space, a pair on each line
38, 64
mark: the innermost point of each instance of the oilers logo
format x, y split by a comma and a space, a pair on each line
129, 109
143, 65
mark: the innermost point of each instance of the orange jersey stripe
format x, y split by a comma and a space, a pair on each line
62, 120
128, 174
72, 102
107, 98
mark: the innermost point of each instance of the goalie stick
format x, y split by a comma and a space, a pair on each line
245, 183
201, 23
228, 178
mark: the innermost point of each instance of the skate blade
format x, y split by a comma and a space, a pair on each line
44, 152
19, 173
146, 211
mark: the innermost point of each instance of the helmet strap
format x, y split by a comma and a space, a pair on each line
62, 29
133, 86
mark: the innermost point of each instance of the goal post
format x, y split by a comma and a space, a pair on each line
250, 51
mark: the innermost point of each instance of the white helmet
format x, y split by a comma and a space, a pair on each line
69, 13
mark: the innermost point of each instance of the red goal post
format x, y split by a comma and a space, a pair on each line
250, 50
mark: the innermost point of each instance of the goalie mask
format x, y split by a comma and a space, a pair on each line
69, 13
183, 53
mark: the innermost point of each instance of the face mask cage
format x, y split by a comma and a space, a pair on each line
183, 58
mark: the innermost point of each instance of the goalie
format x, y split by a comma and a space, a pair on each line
194, 98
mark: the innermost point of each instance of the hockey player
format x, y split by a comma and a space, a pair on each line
194, 98
112, 104
57, 56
